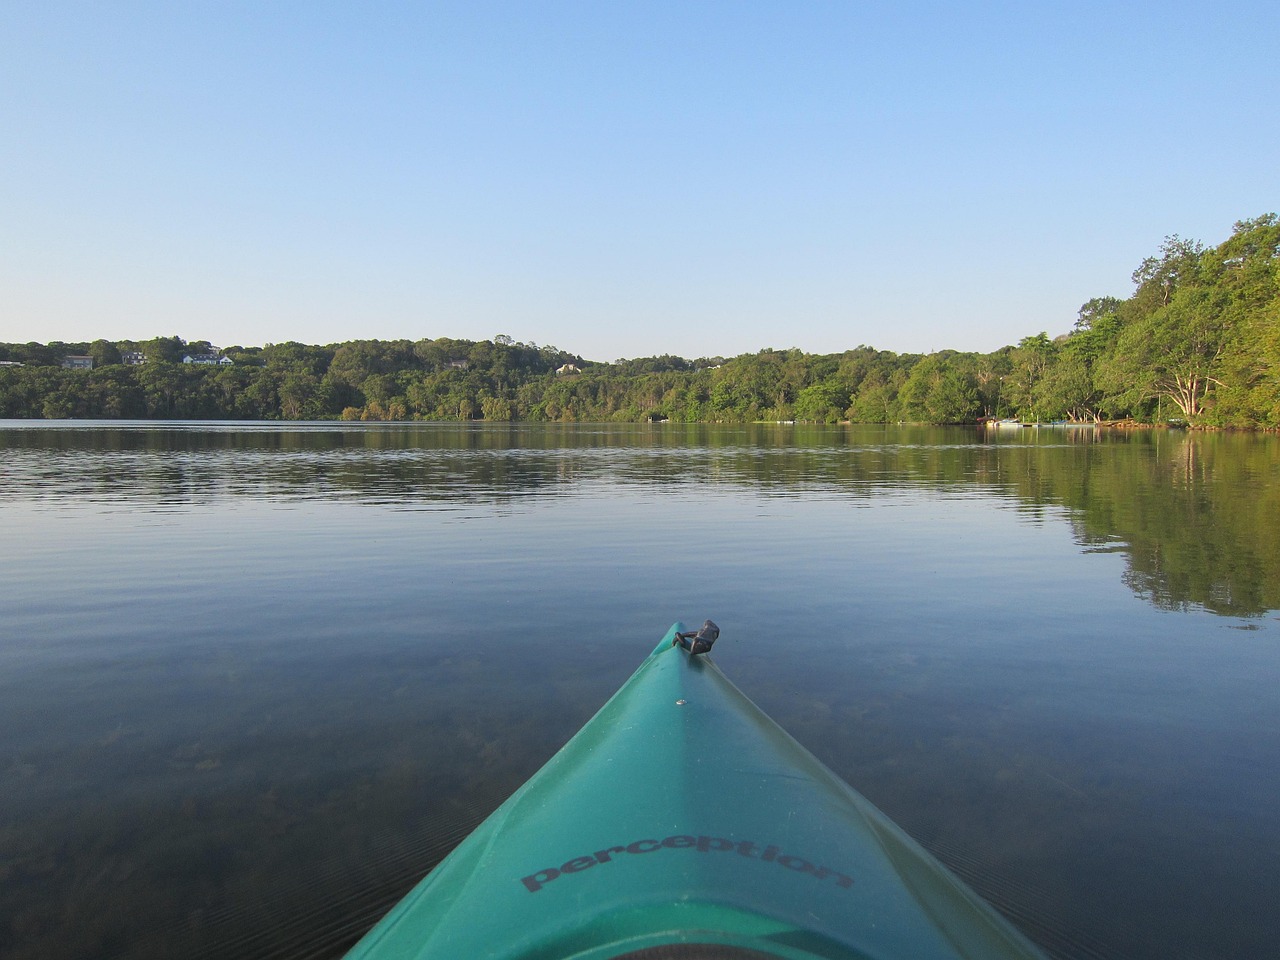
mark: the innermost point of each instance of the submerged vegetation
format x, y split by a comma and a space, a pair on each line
1197, 343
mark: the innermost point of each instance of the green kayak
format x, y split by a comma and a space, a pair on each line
681, 822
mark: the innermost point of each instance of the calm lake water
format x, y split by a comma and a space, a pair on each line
255, 680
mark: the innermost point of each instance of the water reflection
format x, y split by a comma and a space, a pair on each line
1192, 513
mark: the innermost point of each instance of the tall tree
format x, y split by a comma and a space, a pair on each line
1173, 353
1024, 386
164, 349
1158, 278
104, 353
1093, 310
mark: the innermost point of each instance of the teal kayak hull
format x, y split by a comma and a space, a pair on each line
682, 814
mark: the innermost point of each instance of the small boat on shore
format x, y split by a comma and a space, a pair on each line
681, 822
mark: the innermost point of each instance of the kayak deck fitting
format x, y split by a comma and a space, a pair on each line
682, 822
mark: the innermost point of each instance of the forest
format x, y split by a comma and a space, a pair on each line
1197, 343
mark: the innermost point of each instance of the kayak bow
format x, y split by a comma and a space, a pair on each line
682, 822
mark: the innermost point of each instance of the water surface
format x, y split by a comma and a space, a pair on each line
255, 680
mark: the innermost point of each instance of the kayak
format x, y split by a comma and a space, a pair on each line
682, 822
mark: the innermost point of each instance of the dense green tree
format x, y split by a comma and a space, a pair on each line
1025, 389
1245, 270
292, 356
937, 391
1094, 310
822, 402
876, 402
989, 372
643, 365
163, 349
496, 408
1068, 388
113, 392
298, 393
353, 362
38, 354
1173, 353
161, 389
1159, 277
104, 353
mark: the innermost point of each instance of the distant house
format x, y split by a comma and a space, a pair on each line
72, 362
459, 364
10, 363
133, 358
208, 359
567, 368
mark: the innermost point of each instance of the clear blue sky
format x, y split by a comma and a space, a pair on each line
617, 179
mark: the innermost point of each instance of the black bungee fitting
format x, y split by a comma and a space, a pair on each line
699, 641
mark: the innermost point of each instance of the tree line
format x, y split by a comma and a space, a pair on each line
1197, 342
